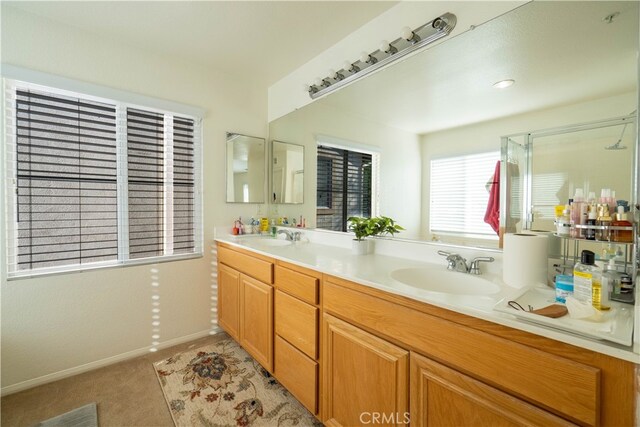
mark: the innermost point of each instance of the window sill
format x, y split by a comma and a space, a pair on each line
55, 271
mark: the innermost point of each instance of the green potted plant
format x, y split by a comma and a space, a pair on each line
365, 227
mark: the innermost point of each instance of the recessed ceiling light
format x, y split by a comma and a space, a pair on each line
503, 83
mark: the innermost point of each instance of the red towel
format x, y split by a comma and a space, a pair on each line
492, 215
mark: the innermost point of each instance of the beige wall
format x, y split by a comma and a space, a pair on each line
77, 321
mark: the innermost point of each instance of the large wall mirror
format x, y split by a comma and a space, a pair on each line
246, 174
287, 173
436, 119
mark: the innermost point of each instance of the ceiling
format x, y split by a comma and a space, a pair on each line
559, 53
261, 40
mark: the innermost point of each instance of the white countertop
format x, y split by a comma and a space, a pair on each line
374, 270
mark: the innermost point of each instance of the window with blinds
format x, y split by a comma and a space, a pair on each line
459, 188
344, 186
66, 210
94, 182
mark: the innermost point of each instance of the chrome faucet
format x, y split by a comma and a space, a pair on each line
293, 236
458, 263
474, 268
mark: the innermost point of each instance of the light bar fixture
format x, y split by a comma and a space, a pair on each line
411, 41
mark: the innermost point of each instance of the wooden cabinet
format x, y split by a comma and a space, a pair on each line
441, 396
229, 300
297, 343
256, 320
479, 365
245, 302
342, 349
365, 378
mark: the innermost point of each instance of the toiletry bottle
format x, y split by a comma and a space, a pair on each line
604, 221
235, 230
564, 287
590, 233
625, 236
563, 224
587, 280
273, 228
611, 278
264, 225
576, 211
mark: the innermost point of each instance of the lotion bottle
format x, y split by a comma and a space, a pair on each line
576, 213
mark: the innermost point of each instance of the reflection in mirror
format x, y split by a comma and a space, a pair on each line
586, 158
287, 172
245, 169
569, 66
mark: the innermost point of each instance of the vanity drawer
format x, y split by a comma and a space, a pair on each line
297, 373
298, 284
248, 264
297, 322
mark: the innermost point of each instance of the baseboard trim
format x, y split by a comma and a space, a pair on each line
24, 385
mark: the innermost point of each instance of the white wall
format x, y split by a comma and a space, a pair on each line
399, 161
485, 136
288, 94
65, 322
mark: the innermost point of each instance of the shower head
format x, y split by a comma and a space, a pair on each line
618, 145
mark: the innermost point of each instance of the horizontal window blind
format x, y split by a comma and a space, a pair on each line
93, 182
145, 165
66, 209
183, 185
344, 187
459, 193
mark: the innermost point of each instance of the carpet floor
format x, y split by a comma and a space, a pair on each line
127, 393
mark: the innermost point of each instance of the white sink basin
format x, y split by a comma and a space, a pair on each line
444, 281
271, 242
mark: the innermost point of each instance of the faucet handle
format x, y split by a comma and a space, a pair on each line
474, 268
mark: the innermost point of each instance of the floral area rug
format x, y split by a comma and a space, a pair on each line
221, 385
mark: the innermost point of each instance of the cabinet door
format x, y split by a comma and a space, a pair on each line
365, 377
256, 320
229, 300
441, 396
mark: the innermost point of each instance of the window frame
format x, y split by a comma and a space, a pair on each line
12, 82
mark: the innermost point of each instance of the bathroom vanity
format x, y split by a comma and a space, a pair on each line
355, 346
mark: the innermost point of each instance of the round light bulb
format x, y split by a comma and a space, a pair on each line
306, 87
384, 45
346, 66
332, 73
364, 57
318, 81
407, 33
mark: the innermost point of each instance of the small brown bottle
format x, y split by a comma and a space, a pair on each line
623, 236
